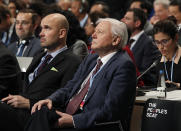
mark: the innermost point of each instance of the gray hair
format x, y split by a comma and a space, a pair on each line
165, 3
118, 28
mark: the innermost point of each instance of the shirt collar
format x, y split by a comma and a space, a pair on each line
53, 54
82, 22
177, 57
136, 37
106, 58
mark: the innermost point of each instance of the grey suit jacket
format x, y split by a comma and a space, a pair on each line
33, 47
80, 49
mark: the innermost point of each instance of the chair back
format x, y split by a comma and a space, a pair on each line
161, 115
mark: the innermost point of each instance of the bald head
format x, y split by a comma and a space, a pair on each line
54, 31
58, 19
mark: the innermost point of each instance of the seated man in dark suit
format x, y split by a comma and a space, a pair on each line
10, 74
48, 72
144, 51
27, 45
98, 93
7, 32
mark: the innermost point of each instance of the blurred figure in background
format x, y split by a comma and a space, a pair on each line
161, 10
76, 38
7, 32
14, 6
27, 45
147, 8
64, 4
10, 74
175, 10
80, 8
40, 8
100, 7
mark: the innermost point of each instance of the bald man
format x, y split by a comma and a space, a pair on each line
49, 71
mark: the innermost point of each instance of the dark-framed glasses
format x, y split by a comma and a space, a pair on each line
162, 42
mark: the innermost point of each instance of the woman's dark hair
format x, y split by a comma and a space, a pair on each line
167, 27
75, 31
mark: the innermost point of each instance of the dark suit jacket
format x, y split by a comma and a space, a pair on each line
48, 81
110, 96
33, 47
12, 38
10, 74
145, 53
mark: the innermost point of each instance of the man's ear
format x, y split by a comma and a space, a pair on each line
137, 23
116, 40
62, 33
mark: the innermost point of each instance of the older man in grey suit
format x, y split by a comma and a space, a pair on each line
27, 45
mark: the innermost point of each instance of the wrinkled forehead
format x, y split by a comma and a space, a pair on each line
104, 25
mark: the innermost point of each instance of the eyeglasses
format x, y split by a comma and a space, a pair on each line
162, 42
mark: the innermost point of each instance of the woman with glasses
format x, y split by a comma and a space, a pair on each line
165, 36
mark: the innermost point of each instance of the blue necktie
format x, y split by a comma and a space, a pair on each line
21, 49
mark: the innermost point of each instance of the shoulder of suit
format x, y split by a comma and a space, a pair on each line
35, 39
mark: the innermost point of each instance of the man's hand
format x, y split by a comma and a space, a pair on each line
17, 101
39, 104
65, 120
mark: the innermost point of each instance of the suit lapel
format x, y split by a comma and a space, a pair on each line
35, 63
100, 76
138, 43
87, 70
58, 59
29, 46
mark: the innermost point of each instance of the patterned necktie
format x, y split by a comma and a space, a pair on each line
74, 104
44, 63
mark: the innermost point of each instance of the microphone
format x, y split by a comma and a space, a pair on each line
152, 65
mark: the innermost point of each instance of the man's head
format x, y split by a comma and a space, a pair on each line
135, 19
54, 31
146, 6
25, 23
5, 18
175, 10
110, 35
101, 7
64, 4
91, 22
79, 7
161, 9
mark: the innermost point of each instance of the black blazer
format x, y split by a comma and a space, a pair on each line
10, 74
145, 53
54, 76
